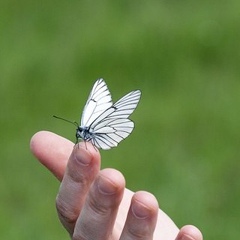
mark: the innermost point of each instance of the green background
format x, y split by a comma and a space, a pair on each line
183, 55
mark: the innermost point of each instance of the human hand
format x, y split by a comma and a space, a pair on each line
94, 203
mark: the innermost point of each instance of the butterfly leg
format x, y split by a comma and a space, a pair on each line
85, 145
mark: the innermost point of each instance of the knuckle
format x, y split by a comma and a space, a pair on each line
65, 213
99, 208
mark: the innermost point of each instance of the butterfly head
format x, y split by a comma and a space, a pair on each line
83, 133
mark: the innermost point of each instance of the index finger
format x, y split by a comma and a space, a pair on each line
52, 151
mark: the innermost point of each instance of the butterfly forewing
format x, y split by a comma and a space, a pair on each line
98, 101
126, 105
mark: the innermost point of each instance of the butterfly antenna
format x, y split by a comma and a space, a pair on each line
66, 120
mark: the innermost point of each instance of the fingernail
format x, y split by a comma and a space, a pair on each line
106, 187
82, 156
140, 211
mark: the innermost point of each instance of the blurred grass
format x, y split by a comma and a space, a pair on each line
183, 55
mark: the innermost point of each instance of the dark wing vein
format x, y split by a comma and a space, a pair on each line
98, 101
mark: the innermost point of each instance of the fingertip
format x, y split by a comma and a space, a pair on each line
37, 141
34, 140
144, 204
86, 148
85, 154
142, 217
189, 232
113, 180
52, 151
45, 141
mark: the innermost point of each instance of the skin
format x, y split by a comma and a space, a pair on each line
94, 204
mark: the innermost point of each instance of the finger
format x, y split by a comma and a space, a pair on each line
98, 215
142, 217
189, 232
52, 151
82, 168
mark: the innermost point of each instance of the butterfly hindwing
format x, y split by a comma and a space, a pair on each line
113, 125
113, 133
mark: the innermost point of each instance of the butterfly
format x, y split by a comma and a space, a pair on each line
104, 123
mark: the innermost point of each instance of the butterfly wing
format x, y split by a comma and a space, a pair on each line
113, 133
113, 125
98, 101
126, 105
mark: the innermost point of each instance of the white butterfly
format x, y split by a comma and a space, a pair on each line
103, 123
